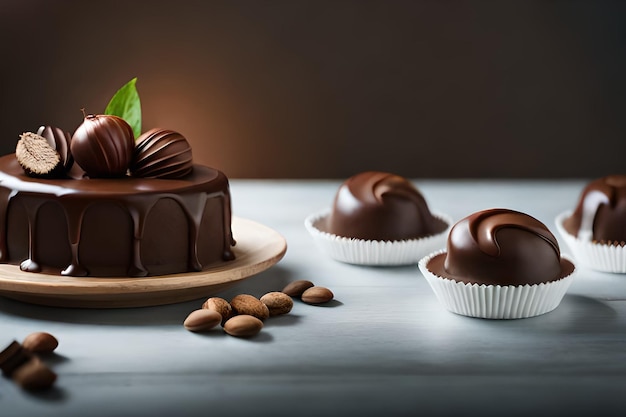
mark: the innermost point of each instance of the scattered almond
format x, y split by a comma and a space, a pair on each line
202, 320
40, 342
317, 295
250, 305
277, 303
243, 325
221, 306
296, 288
34, 375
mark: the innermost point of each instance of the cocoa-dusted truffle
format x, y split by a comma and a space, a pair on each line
36, 157
381, 206
162, 153
103, 146
501, 247
600, 214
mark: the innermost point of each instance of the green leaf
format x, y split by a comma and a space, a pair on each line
126, 104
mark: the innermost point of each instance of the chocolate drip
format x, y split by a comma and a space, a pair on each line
229, 241
5, 198
194, 209
30, 264
138, 213
74, 213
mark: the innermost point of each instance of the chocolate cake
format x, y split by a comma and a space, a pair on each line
381, 206
600, 214
96, 220
501, 247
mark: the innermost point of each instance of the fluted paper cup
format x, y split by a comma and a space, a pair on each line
375, 252
495, 301
593, 255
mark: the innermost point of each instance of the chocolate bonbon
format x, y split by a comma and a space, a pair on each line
499, 264
381, 206
600, 214
378, 218
501, 247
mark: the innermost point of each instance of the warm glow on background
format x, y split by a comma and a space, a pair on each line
309, 89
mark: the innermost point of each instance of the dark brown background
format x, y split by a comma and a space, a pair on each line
324, 89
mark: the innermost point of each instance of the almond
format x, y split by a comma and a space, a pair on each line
202, 320
296, 288
277, 303
250, 305
243, 325
317, 295
221, 306
40, 342
34, 375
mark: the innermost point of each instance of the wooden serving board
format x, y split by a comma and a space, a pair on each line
258, 248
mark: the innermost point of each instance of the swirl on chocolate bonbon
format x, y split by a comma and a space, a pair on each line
501, 246
381, 206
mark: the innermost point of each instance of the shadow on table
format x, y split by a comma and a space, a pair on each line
54, 394
577, 314
273, 279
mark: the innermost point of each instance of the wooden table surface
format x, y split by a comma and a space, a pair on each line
384, 346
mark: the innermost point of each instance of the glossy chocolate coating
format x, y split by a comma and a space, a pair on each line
59, 140
381, 206
501, 247
114, 227
600, 214
161, 153
103, 146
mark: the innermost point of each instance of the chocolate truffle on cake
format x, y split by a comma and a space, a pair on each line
503, 249
103, 146
161, 153
596, 229
36, 157
378, 218
59, 140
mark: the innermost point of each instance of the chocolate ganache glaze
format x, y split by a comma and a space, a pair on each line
381, 206
600, 214
501, 247
114, 227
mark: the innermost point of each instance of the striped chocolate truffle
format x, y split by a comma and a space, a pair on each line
161, 153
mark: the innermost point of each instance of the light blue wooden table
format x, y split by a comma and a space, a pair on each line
384, 347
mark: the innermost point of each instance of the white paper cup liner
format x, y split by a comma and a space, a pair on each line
375, 252
593, 255
495, 301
